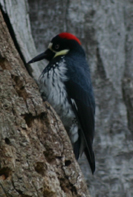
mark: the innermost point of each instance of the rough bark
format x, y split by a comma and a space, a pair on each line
106, 31
36, 157
17, 17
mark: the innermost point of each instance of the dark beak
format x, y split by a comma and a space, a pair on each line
48, 55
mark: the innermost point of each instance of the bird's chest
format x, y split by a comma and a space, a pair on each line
53, 88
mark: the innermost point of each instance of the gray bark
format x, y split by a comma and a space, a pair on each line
105, 29
36, 157
17, 11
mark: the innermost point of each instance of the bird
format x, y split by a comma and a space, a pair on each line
66, 84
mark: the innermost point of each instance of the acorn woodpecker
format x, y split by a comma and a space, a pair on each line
66, 84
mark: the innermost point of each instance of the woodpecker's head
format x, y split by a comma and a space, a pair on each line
59, 45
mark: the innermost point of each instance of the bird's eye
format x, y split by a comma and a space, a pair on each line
57, 46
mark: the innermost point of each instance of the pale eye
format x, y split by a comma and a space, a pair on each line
57, 46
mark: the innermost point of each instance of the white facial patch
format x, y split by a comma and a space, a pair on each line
50, 47
57, 53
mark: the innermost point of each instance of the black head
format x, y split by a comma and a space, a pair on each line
59, 45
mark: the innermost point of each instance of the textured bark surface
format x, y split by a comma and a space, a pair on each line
36, 157
17, 17
106, 31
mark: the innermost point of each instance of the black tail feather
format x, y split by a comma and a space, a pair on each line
89, 154
76, 148
91, 159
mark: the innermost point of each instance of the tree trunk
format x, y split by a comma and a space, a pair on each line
105, 29
36, 157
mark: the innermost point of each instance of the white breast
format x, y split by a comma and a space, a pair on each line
52, 86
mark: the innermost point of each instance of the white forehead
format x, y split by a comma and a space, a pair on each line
50, 45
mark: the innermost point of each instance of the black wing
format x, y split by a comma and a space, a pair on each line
79, 89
